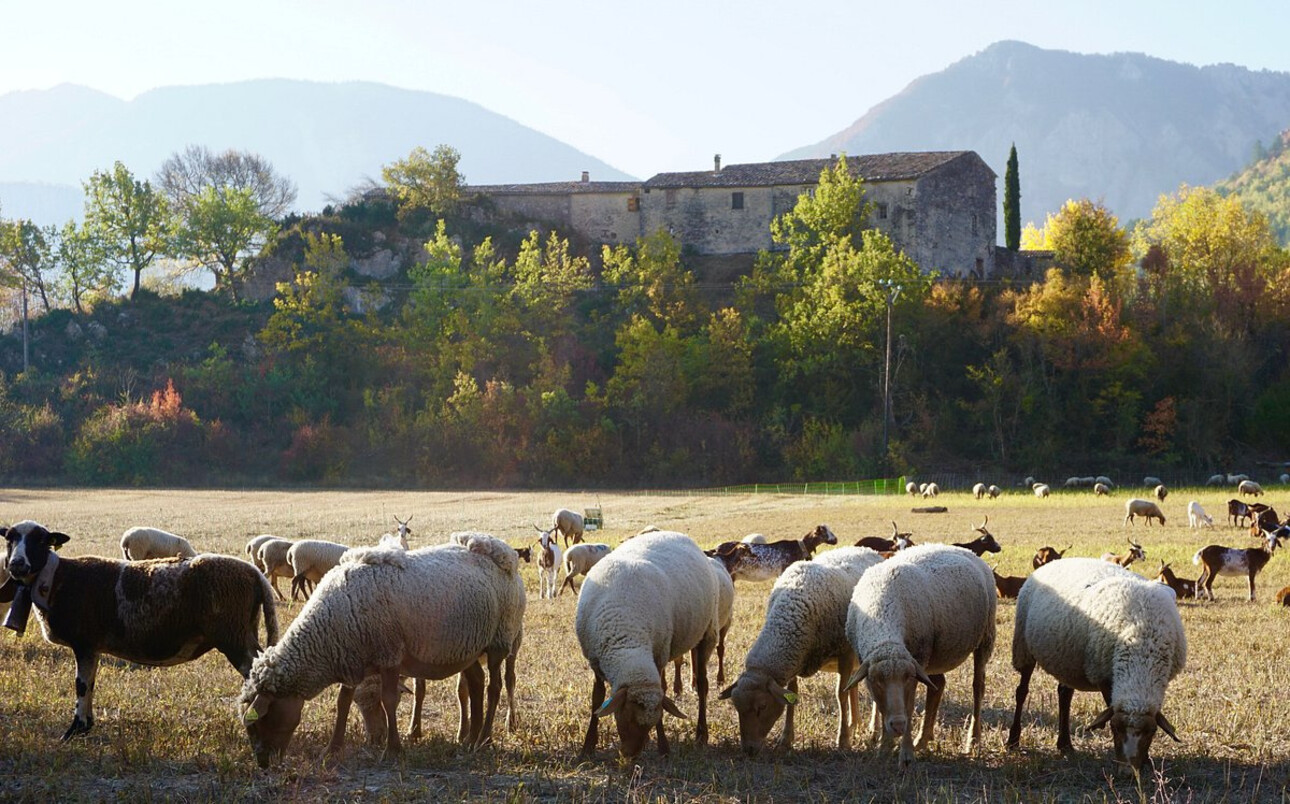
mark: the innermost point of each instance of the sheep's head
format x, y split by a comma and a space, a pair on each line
759, 700
270, 722
636, 709
1132, 733
890, 680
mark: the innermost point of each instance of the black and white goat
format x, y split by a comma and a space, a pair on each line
763, 562
1237, 512
548, 563
898, 541
1219, 560
157, 612
984, 543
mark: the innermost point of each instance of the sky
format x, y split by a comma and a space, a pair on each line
648, 87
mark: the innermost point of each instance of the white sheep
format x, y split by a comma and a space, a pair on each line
1147, 509
1216, 480
1104, 480
310, 560
1196, 516
430, 613
1041, 490
1161, 492
579, 559
994, 492
805, 632
569, 524
931, 490
978, 491
1249, 487
725, 616
1101, 489
914, 617
138, 544
273, 562
253, 549
1285, 478
1096, 626
649, 602
911, 488
754, 538
1151, 482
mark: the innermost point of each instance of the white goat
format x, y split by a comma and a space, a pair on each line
548, 565
1196, 516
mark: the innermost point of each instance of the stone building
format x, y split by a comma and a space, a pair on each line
937, 207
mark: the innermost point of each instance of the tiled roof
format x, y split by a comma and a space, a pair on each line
555, 188
873, 167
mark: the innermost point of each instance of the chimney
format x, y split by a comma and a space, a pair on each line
586, 177
716, 163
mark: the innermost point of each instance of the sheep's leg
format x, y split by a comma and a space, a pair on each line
907, 738
934, 693
721, 658
700, 655
512, 717
786, 738
343, 701
463, 708
1064, 696
979, 660
87, 666
846, 715
676, 677
273, 581
474, 675
664, 747
494, 695
391, 689
1023, 689
418, 700
597, 700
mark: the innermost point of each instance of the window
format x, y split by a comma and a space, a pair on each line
882, 212
974, 223
670, 199
736, 200
634, 204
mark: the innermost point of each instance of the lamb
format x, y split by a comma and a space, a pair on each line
429, 613
1095, 626
1161, 492
1101, 490
579, 559
994, 492
1182, 588
1135, 553
154, 612
310, 559
649, 602
569, 524
978, 491
1041, 490
898, 541
985, 543
1196, 516
1219, 560
915, 617
762, 562
253, 548
548, 565
1138, 507
272, 559
805, 632
1249, 487
1046, 554
138, 544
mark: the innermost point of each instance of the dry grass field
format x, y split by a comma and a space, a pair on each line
174, 734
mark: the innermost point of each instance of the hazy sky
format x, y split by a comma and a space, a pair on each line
659, 85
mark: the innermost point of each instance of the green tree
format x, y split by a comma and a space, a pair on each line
1086, 239
1012, 203
86, 276
130, 220
425, 181
222, 229
652, 281
27, 256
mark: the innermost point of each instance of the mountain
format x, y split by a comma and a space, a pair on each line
1264, 185
1123, 128
328, 138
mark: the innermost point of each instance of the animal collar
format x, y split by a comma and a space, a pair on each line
36, 592
44, 582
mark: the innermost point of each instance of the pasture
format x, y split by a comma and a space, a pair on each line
173, 733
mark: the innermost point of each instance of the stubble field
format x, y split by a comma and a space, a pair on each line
174, 734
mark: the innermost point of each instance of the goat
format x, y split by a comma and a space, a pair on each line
898, 541
1196, 516
984, 543
1135, 553
1182, 588
1238, 512
761, 562
1219, 560
1161, 492
548, 564
1264, 520
1046, 554
1008, 586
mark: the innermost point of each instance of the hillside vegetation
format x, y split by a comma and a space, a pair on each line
1264, 186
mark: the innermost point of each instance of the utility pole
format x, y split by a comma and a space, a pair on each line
26, 351
891, 291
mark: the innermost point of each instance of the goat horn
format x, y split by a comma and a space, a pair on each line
981, 527
895, 531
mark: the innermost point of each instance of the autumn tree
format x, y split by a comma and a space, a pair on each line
1086, 239
425, 181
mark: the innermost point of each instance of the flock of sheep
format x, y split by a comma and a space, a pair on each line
885, 612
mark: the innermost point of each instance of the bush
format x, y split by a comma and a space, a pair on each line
138, 443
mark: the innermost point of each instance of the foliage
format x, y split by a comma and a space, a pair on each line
1086, 239
1012, 203
139, 443
425, 181
86, 277
221, 230
129, 222
185, 176
27, 257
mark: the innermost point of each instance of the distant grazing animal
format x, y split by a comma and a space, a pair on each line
978, 491
1249, 487
1161, 492
762, 562
1264, 520
253, 549
1216, 480
1151, 482
569, 524
911, 488
1138, 507
994, 492
1101, 489
1046, 554
310, 560
1283, 597
1008, 586
1135, 553
1216, 559
1094, 626
1238, 512
548, 565
1196, 516
158, 612
1182, 588
984, 543
138, 544
579, 559
1041, 490
272, 556
931, 490
898, 541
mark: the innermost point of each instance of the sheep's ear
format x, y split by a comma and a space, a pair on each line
923, 677
1103, 718
1166, 726
259, 705
857, 676
672, 709
725, 694
612, 705
57, 540
782, 694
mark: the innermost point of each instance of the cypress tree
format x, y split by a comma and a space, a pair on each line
1012, 203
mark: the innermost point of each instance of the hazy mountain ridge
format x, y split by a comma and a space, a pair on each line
1122, 128
327, 138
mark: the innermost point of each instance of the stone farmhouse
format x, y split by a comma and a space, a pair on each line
937, 207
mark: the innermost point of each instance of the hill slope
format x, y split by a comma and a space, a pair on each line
1265, 186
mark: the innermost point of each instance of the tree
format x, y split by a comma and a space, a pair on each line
1012, 203
651, 279
1086, 239
425, 181
185, 176
27, 256
86, 274
130, 220
222, 228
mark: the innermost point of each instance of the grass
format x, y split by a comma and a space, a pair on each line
173, 733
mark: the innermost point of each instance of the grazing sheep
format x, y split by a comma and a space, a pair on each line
273, 560
914, 617
898, 541
1249, 487
1161, 492
978, 491
1238, 478
725, 616
994, 492
429, 613
1046, 554
1041, 490
1151, 482
931, 490
1285, 478
984, 543
762, 562
1101, 490
579, 559
310, 560
754, 538
1104, 480
1182, 588
548, 565
154, 612
1095, 626
1196, 516
649, 602
1216, 480
1135, 553
568, 524
138, 544
1138, 507
911, 488
253, 549
1219, 560
805, 632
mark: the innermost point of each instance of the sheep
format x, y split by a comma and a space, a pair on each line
1182, 588
272, 558
1101, 490
1095, 626
154, 612
805, 632
310, 560
429, 613
915, 617
1161, 492
762, 562
1237, 512
1151, 482
138, 544
1104, 480
548, 565
570, 525
994, 492
1041, 490
922, 489
1216, 559
1285, 479
253, 549
1046, 554
1238, 478
985, 543
1029, 482
579, 559
978, 491
1135, 553
931, 490
652, 600
1196, 516
725, 616
1008, 586
911, 488
898, 541
754, 538
1249, 487
1138, 507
